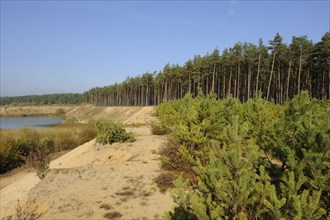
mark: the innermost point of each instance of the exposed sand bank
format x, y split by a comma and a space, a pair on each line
95, 180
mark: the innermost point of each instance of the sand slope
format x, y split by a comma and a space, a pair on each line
96, 181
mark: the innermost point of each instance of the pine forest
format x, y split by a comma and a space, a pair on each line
278, 72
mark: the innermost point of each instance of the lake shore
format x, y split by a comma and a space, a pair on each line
127, 115
14, 111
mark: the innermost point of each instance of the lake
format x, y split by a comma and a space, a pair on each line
32, 122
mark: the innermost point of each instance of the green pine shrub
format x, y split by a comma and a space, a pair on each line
252, 160
175, 157
109, 133
159, 129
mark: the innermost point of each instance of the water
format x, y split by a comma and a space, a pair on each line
32, 122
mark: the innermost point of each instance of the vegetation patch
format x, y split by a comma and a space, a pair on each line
165, 181
106, 206
60, 111
33, 146
252, 160
159, 129
38, 158
109, 133
112, 215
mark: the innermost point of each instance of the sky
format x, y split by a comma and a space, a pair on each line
72, 46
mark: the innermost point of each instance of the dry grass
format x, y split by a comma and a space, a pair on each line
112, 215
106, 206
165, 181
17, 144
33, 110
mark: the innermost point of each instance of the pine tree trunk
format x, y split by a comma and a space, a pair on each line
323, 85
288, 82
238, 80
165, 92
229, 82
270, 77
213, 80
248, 83
279, 90
224, 85
299, 73
207, 86
189, 84
258, 73
147, 95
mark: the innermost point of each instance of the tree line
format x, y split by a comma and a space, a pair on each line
278, 72
49, 99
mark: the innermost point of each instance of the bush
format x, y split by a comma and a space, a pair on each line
38, 159
109, 133
158, 128
10, 156
27, 140
236, 185
253, 160
165, 180
18, 146
172, 156
60, 111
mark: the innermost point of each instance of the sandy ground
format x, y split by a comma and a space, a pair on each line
127, 115
32, 110
95, 181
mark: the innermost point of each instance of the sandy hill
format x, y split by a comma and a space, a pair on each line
96, 181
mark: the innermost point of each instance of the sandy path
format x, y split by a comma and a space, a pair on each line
5, 181
97, 182
17, 190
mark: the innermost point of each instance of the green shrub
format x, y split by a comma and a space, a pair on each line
235, 185
158, 128
253, 160
60, 111
109, 133
10, 156
17, 145
27, 140
175, 157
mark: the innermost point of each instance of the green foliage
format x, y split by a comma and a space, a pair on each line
49, 99
10, 156
228, 185
60, 111
242, 71
175, 156
159, 128
253, 160
109, 133
27, 145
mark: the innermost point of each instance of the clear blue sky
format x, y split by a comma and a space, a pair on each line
72, 46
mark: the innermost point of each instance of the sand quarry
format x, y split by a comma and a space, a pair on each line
95, 181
